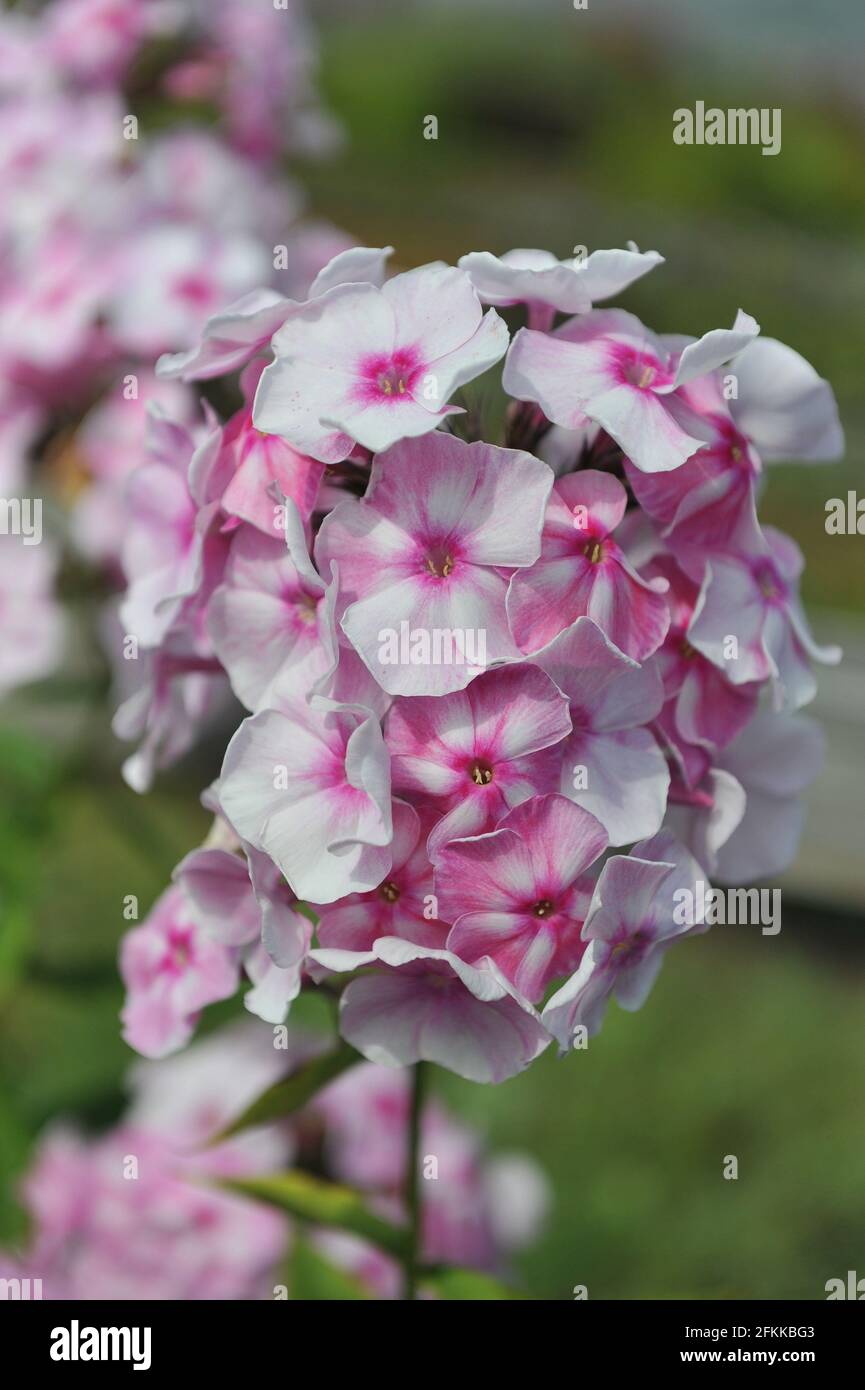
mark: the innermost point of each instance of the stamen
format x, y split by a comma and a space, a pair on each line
481, 773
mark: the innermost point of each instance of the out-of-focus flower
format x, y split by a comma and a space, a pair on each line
31, 622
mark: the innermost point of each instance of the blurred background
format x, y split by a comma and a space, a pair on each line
555, 129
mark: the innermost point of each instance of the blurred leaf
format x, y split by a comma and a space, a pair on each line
295, 1091
467, 1285
325, 1204
312, 1277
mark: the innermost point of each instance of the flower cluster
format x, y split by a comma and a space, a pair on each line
121, 234
138, 1213
507, 701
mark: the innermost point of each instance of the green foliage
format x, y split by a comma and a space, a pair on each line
312, 1277
324, 1204
458, 1285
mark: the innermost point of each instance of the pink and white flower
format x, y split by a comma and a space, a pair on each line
31, 621
745, 820
427, 547
545, 284
266, 470
475, 754
270, 620
583, 572
309, 785
234, 335
703, 710
171, 970
428, 1005
609, 368
749, 621
402, 905
611, 764
634, 918
520, 894
370, 366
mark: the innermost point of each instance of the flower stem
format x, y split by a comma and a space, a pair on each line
413, 1197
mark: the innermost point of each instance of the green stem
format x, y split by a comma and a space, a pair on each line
413, 1196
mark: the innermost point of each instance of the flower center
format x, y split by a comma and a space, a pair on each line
687, 651
640, 371
594, 552
769, 582
481, 773
389, 891
389, 376
630, 946
440, 563
392, 382
542, 908
307, 609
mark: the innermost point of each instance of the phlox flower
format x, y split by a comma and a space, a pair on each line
109, 446
708, 502
476, 753
173, 277
545, 284
777, 407
172, 550
783, 405
242, 900
177, 688
171, 969
520, 894
428, 1005
631, 923
607, 367
703, 710
265, 469
744, 820
403, 904
31, 622
754, 599
426, 546
611, 764
269, 618
370, 366
309, 784
234, 335
582, 571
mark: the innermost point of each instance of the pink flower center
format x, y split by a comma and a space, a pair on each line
194, 289
481, 773
389, 891
641, 370
629, 948
389, 377
543, 908
594, 552
770, 582
439, 562
179, 951
307, 609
